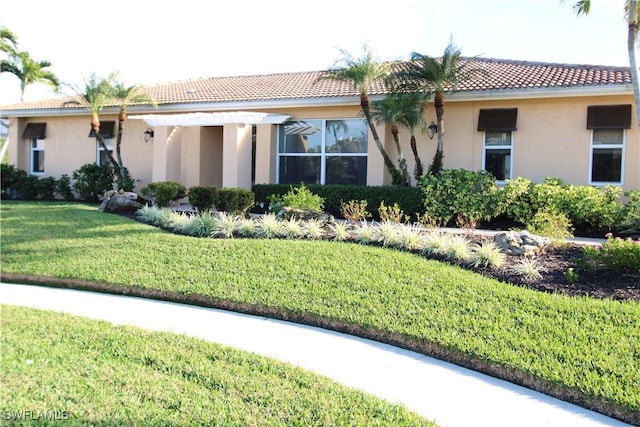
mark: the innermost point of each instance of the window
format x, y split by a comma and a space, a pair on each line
37, 156
35, 133
607, 124
102, 157
323, 152
497, 154
498, 125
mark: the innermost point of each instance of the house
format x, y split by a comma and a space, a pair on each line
523, 119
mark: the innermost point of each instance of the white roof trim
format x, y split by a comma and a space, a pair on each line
212, 119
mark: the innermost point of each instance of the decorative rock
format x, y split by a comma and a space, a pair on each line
119, 202
521, 243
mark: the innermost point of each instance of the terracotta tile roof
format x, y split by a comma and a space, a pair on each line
502, 75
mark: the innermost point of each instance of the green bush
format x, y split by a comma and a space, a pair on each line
614, 253
550, 223
162, 193
234, 200
46, 188
355, 211
297, 198
459, 195
63, 187
125, 182
202, 197
514, 200
408, 198
91, 181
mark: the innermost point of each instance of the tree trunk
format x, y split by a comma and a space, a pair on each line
395, 174
632, 40
402, 162
436, 167
418, 171
95, 125
121, 119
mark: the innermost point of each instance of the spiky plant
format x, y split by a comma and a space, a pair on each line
528, 268
293, 228
224, 224
173, 220
270, 226
366, 233
389, 233
341, 231
314, 229
201, 225
411, 238
459, 248
436, 244
246, 227
486, 254
149, 214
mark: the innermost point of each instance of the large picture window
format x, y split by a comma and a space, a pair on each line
323, 152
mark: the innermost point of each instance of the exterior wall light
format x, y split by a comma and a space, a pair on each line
432, 129
148, 134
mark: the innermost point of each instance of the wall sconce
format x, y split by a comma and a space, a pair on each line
432, 129
148, 134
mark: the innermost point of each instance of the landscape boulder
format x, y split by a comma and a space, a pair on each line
521, 243
123, 201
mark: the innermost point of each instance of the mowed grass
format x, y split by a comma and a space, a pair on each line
586, 345
94, 373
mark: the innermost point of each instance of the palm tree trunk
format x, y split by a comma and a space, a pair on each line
418, 171
402, 162
95, 125
395, 174
121, 120
436, 167
632, 39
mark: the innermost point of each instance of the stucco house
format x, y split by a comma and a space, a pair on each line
523, 119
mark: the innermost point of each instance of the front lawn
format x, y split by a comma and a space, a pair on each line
71, 370
581, 349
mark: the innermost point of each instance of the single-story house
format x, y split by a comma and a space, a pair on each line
523, 119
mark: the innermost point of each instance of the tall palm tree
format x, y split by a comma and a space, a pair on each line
361, 73
632, 14
98, 93
28, 71
437, 76
406, 110
8, 42
127, 95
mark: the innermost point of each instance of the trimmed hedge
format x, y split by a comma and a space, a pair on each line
202, 197
234, 200
164, 192
409, 199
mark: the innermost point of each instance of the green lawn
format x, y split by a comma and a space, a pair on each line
583, 349
94, 373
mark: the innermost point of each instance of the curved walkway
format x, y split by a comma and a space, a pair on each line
439, 391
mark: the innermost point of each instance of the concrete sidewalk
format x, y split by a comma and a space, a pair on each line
439, 391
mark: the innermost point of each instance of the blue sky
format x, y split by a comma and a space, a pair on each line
149, 42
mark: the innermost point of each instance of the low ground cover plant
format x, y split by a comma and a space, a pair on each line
580, 349
93, 372
615, 253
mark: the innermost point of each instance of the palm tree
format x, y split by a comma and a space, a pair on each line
97, 94
8, 42
406, 110
632, 14
127, 95
437, 76
27, 70
361, 73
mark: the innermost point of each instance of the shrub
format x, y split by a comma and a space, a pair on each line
514, 200
297, 198
162, 193
614, 253
354, 211
202, 197
234, 200
9, 177
125, 182
391, 213
459, 195
91, 181
551, 223
46, 188
630, 223
63, 187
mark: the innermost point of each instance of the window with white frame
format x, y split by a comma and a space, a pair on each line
35, 134
498, 125
497, 154
102, 157
323, 152
37, 156
607, 124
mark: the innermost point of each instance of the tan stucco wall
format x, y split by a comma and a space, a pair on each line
551, 140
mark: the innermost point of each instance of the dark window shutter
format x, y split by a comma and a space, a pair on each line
497, 119
609, 117
106, 130
35, 130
